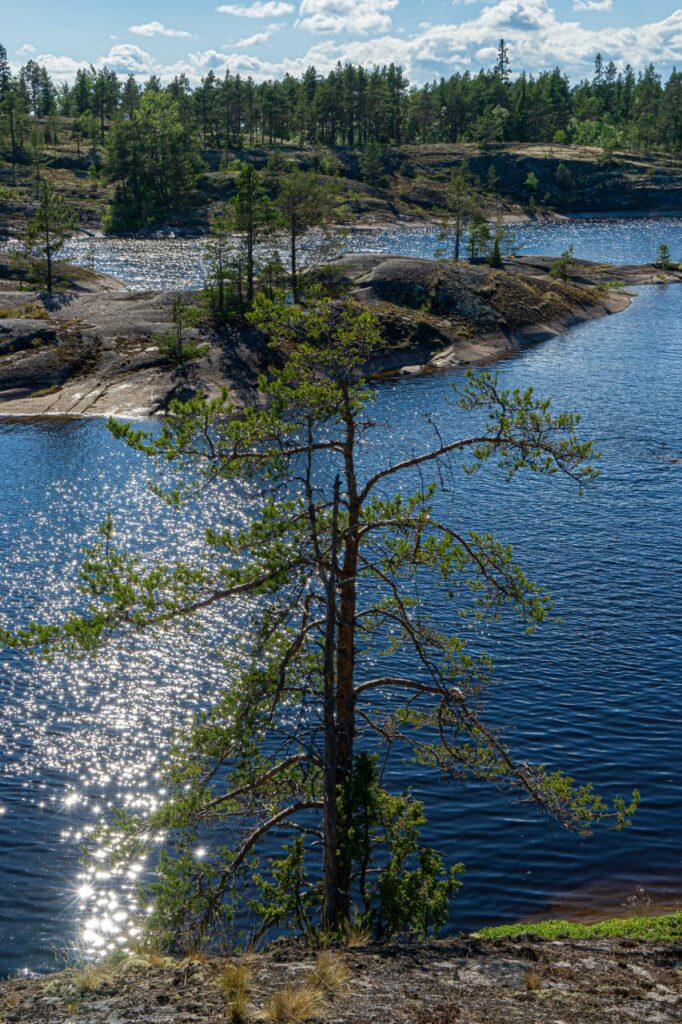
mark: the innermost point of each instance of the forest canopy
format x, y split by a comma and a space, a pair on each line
353, 105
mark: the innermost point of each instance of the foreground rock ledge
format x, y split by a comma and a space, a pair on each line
519, 981
91, 351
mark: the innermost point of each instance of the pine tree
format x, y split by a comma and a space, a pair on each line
254, 220
330, 561
502, 64
461, 202
49, 228
372, 162
303, 202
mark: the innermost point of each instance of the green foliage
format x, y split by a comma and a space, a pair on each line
664, 260
303, 202
253, 220
461, 208
561, 267
225, 281
371, 162
531, 184
357, 107
153, 159
479, 239
174, 345
48, 229
491, 179
502, 243
665, 928
287, 898
563, 178
409, 893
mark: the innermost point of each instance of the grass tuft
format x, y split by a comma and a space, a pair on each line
238, 1007
357, 935
533, 980
234, 983
294, 1004
330, 974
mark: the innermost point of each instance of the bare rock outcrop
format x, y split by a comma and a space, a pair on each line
93, 348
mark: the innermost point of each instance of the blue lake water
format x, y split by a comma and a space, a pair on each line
599, 695
178, 262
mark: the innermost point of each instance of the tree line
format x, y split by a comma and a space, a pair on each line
353, 105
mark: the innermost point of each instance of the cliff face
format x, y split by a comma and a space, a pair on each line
524, 981
571, 179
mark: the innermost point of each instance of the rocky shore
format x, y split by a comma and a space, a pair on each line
471, 981
92, 349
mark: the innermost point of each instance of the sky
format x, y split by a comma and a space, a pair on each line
267, 38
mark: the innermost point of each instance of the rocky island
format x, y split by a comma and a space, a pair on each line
90, 349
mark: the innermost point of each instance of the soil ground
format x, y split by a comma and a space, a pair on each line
473, 981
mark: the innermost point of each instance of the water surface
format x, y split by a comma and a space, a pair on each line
599, 695
145, 263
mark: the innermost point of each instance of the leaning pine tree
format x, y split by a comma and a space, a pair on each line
280, 779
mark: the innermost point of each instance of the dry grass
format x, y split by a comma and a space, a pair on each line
533, 980
357, 935
330, 974
238, 1007
93, 977
235, 982
294, 1004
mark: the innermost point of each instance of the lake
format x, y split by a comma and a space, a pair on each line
599, 694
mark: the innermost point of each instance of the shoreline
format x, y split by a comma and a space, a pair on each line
94, 353
522, 977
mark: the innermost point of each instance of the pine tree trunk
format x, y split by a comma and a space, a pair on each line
345, 658
48, 253
332, 905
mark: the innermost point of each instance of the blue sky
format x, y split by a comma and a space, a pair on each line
266, 38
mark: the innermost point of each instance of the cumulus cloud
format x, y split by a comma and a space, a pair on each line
592, 5
26, 50
260, 37
128, 59
260, 9
537, 38
157, 28
346, 16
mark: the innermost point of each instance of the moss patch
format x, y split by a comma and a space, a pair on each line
662, 928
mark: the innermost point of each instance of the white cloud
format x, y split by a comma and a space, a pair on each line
346, 16
260, 37
537, 39
592, 5
260, 9
128, 59
157, 28
26, 50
